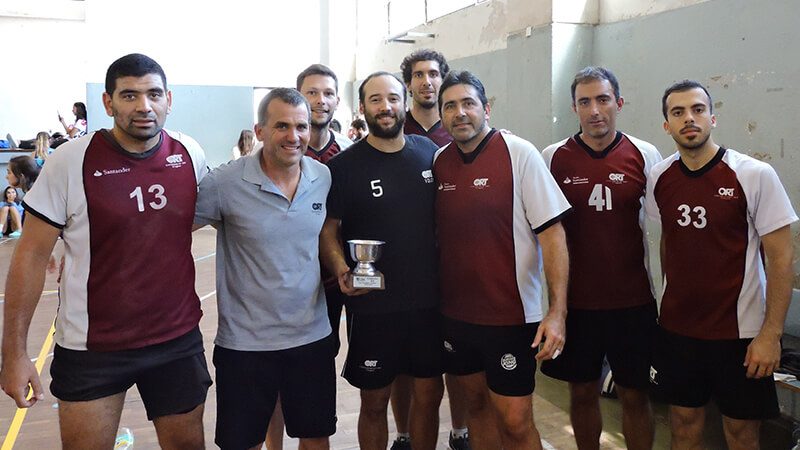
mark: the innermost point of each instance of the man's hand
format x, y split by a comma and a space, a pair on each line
763, 356
553, 330
17, 377
346, 283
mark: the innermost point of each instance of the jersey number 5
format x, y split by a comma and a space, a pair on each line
377, 189
598, 200
158, 192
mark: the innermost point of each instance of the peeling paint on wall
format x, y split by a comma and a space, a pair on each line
766, 157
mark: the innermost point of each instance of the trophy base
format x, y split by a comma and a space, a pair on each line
368, 282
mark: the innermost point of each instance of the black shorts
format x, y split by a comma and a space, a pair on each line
689, 372
382, 346
172, 377
624, 335
248, 384
503, 352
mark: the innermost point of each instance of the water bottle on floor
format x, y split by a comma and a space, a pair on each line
124, 439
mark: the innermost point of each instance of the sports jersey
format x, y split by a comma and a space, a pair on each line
437, 133
335, 144
711, 220
128, 278
489, 206
605, 233
389, 197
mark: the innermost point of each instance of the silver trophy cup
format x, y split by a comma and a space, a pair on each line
365, 275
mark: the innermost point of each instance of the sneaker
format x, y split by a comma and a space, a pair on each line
401, 443
15, 235
459, 443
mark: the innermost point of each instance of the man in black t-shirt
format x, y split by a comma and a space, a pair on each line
383, 190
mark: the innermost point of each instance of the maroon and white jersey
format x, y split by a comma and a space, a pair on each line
437, 133
711, 219
608, 257
489, 206
335, 144
128, 278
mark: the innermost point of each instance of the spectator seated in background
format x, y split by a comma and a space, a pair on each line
247, 140
78, 128
10, 214
42, 148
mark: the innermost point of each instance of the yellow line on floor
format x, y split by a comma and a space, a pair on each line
16, 424
43, 292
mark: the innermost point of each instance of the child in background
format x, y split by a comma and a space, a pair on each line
10, 214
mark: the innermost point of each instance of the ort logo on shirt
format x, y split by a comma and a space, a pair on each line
508, 361
617, 178
370, 365
316, 207
175, 161
427, 175
480, 183
726, 193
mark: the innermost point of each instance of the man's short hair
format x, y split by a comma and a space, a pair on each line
289, 96
379, 74
425, 54
682, 86
359, 124
317, 69
463, 77
133, 65
590, 74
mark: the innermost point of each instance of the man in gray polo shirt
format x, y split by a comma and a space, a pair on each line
273, 336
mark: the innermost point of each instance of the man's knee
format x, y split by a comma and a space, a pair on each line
314, 443
741, 433
181, 431
515, 415
633, 399
582, 394
686, 422
375, 401
428, 392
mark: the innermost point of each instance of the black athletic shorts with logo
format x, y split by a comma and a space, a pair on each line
172, 377
248, 384
689, 372
623, 335
503, 352
382, 346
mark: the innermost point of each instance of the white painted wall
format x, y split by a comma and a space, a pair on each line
244, 43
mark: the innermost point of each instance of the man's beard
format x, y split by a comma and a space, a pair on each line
386, 133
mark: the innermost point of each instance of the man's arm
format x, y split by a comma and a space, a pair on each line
764, 353
23, 290
555, 258
332, 255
